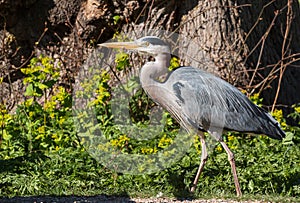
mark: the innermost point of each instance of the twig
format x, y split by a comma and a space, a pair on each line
262, 40
283, 51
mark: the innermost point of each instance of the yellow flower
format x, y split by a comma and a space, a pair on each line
230, 137
124, 138
277, 114
31, 114
197, 144
56, 138
61, 120
105, 76
28, 102
164, 142
41, 129
243, 91
82, 141
147, 150
120, 141
219, 148
255, 97
52, 115
297, 109
50, 105
233, 147
114, 142
102, 94
27, 80
3, 110
39, 136
174, 63
4, 117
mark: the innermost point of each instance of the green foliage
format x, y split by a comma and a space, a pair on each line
41, 75
116, 19
122, 61
40, 152
38, 127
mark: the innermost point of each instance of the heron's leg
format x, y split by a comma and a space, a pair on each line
232, 163
203, 160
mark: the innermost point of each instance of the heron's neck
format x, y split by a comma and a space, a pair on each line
154, 69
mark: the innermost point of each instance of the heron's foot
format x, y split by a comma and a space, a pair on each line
193, 188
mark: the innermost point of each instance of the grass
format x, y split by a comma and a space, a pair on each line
273, 176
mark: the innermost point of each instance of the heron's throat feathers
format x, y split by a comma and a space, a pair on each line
163, 59
153, 71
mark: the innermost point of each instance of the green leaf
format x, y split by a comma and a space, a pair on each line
122, 61
41, 86
44, 144
6, 136
132, 84
116, 19
29, 90
251, 185
288, 140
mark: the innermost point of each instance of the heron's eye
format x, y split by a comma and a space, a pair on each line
146, 44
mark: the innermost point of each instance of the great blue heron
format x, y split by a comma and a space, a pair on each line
199, 100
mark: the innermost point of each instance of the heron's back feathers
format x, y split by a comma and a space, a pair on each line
206, 101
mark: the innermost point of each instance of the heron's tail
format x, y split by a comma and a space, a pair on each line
273, 129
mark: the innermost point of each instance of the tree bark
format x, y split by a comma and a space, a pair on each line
254, 45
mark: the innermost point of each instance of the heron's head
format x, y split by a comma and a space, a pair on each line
149, 44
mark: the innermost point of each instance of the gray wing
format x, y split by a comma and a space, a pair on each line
202, 100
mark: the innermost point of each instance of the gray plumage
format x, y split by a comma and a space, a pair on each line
200, 96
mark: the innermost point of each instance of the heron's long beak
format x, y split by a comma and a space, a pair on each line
120, 45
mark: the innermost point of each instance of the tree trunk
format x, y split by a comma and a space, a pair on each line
254, 45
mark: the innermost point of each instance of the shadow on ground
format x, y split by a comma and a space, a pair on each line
67, 199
